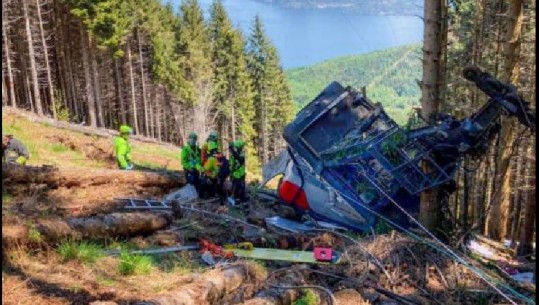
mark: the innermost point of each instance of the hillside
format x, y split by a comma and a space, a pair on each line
52, 146
389, 75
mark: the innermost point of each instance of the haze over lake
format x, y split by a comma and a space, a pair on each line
307, 36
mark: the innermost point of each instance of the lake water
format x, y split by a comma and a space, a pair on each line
309, 36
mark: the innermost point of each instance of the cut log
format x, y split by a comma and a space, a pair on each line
208, 288
110, 225
98, 227
75, 177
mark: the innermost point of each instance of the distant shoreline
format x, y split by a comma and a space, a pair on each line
367, 8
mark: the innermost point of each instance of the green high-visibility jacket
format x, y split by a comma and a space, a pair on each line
122, 150
190, 157
237, 165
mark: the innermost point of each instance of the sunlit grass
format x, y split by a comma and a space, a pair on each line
85, 252
134, 264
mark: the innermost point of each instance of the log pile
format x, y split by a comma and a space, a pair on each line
208, 288
74, 177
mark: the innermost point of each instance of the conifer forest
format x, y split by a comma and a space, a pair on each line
74, 71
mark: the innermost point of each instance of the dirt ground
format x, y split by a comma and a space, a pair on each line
37, 275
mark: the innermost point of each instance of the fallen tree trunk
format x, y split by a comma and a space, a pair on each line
73, 177
97, 227
110, 225
208, 288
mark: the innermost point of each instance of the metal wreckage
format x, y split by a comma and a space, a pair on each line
349, 164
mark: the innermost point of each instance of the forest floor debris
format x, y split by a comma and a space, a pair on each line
382, 269
417, 274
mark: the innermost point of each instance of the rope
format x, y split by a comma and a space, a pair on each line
445, 249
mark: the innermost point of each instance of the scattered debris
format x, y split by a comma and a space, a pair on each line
207, 257
288, 225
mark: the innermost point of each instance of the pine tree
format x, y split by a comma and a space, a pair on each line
272, 98
193, 48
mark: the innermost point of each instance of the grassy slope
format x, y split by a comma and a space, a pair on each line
390, 77
49, 145
52, 146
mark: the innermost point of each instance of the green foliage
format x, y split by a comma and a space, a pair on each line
84, 252
390, 146
390, 77
192, 42
308, 298
272, 97
133, 264
109, 21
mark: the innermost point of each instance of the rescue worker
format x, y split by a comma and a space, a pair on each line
210, 170
122, 149
237, 170
14, 151
222, 175
190, 158
212, 137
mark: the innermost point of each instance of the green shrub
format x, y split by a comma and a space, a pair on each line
85, 252
34, 235
133, 264
68, 251
308, 298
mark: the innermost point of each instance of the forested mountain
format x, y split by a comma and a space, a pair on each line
390, 77
108, 62
363, 7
